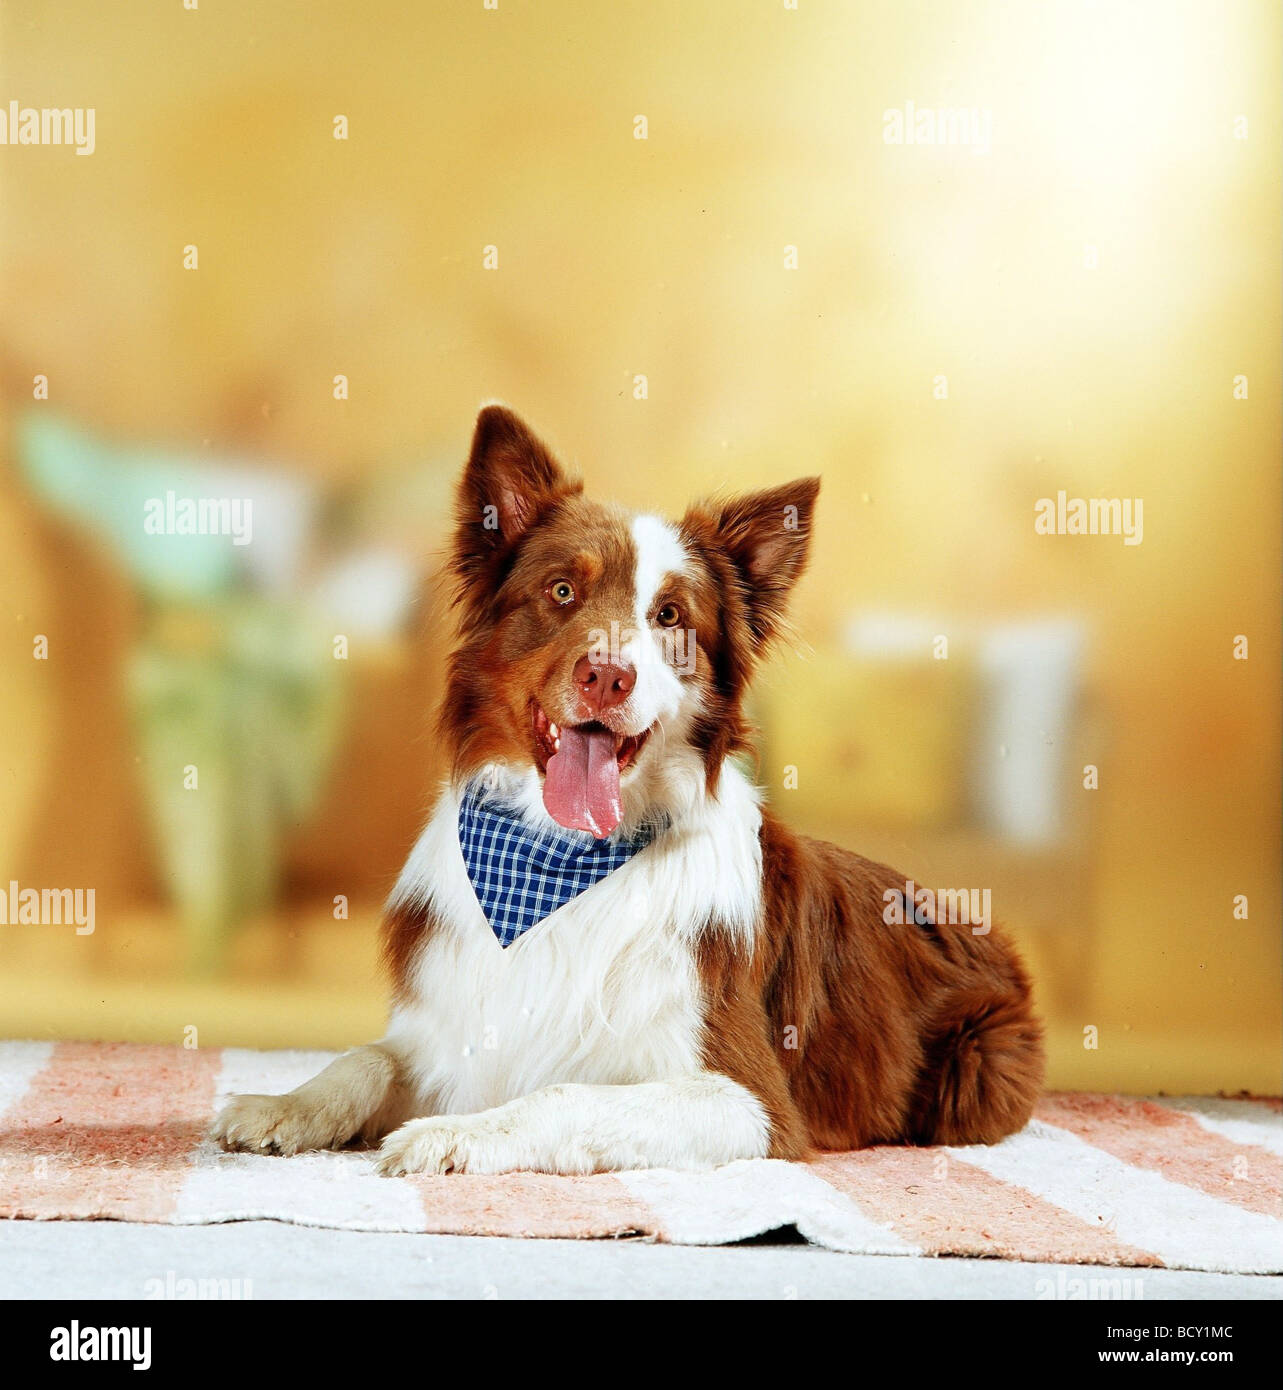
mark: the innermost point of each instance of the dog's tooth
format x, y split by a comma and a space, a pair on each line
556, 743
554, 731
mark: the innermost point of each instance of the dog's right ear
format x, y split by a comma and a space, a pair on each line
509, 481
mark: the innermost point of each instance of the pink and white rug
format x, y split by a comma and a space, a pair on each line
107, 1131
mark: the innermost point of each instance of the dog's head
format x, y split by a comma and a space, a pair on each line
603, 656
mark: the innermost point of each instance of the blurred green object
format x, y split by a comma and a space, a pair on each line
107, 488
235, 695
237, 709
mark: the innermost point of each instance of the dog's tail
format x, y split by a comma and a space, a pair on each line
983, 1069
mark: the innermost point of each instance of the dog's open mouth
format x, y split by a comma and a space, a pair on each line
581, 765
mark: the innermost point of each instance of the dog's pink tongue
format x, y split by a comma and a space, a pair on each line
581, 787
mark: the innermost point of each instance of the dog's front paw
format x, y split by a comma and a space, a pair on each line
443, 1144
274, 1125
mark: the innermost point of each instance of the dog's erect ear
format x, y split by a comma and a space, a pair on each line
766, 536
510, 479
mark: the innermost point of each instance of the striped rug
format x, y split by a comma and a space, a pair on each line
94, 1131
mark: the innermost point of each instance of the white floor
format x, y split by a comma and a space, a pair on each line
264, 1260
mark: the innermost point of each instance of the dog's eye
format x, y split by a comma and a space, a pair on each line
561, 591
669, 615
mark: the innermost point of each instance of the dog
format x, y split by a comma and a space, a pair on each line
605, 952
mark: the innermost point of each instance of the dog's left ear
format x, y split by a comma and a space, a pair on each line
510, 480
767, 537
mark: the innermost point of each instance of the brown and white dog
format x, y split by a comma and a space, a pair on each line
733, 990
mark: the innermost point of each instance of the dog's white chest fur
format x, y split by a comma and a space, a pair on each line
606, 989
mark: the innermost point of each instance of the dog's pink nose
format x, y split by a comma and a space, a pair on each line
602, 685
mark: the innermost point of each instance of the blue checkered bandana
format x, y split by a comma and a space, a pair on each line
521, 875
